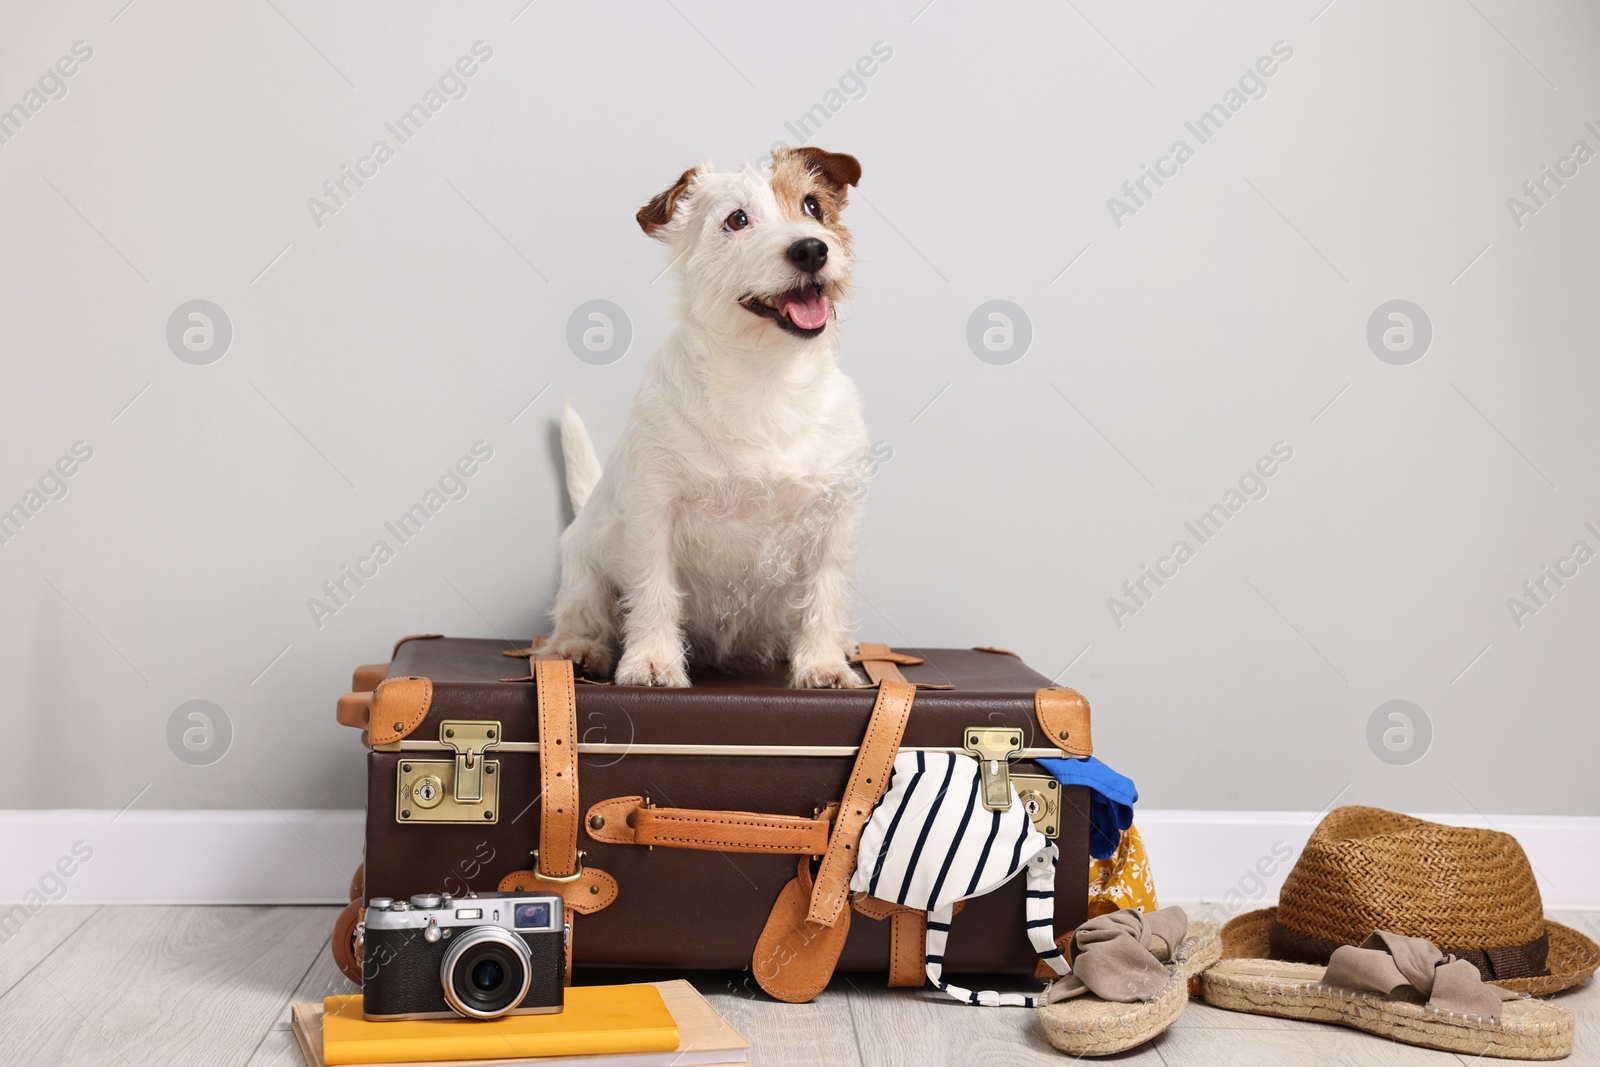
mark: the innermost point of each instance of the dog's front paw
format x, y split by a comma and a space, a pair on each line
645, 669
589, 657
828, 675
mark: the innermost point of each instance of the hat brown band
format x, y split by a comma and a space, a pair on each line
1495, 964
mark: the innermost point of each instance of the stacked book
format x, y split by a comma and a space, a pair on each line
657, 1024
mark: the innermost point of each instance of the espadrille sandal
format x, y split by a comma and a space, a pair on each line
1120, 992
1402, 988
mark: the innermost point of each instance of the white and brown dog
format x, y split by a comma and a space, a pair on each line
724, 527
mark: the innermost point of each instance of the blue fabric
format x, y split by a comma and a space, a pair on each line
1111, 800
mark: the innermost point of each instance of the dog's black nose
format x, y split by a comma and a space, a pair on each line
809, 254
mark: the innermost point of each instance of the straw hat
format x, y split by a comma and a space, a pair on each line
1469, 891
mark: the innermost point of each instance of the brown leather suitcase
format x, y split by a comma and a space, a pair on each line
685, 812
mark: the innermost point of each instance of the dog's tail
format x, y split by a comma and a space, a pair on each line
583, 466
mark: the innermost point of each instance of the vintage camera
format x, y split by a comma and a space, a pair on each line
481, 956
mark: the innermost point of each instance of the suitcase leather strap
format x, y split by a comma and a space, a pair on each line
880, 661
800, 944
558, 769
883, 663
634, 821
411, 637
558, 865
908, 938
794, 959
868, 780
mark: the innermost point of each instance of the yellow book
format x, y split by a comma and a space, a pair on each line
596, 1020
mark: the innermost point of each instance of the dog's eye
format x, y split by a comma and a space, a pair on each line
813, 208
737, 221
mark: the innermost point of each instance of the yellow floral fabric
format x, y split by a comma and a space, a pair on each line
1124, 880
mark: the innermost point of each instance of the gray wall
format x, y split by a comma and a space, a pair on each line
1174, 341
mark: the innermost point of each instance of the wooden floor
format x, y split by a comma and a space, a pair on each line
130, 986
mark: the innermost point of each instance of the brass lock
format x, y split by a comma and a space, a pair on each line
1041, 799
427, 791
463, 790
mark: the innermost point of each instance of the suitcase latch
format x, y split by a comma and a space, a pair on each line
993, 746
463, 790
469, 740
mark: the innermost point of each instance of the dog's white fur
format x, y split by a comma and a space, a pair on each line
723, 527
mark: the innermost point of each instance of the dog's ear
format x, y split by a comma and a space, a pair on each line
655, 216
835, 168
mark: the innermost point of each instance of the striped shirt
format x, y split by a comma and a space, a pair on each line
930, 843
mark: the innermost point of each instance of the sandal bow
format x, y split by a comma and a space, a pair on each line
1386, 963
1113, 959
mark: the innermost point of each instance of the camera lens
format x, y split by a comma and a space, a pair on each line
488, 975
485, 973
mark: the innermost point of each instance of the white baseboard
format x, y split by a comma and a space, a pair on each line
180, 857
1232, 860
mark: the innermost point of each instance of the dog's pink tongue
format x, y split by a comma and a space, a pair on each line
806, 308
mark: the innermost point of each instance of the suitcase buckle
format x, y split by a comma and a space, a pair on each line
993, 747
573, 877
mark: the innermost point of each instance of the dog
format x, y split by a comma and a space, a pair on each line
723, 527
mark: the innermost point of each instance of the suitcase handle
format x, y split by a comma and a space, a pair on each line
366, 677
635, 821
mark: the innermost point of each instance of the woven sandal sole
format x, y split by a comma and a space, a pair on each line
1527, 1030
1089, 1026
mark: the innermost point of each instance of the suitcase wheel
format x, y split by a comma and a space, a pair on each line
346, 953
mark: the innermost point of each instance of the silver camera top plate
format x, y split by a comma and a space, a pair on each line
528, 913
